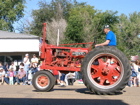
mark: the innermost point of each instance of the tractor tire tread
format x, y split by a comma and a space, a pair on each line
120, 55
50, 76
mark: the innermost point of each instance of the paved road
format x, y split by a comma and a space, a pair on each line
70, 95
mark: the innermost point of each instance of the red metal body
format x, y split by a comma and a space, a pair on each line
57, 58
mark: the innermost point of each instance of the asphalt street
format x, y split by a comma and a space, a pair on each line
77, 94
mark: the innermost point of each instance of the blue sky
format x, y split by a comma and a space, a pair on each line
122, 6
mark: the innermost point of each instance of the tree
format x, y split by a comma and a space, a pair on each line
85, 23
52, 30
128, 31
10, 12
55, 10
80, 17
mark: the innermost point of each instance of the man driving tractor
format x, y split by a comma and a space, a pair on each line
110, 38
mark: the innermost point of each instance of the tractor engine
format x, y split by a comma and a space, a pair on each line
68, 57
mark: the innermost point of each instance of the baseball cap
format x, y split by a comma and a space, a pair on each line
1, 68
106, 26
26, 54
21, 67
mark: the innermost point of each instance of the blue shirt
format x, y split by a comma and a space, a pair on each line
112, 37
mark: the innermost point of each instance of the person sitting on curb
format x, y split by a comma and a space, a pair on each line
70, 78
2, 74
7, 76
11, 76
21, 76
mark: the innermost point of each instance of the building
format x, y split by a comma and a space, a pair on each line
14, 46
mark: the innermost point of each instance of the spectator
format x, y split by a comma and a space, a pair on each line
38, 67
34, 60
2, 74
57, 76
16, 76
12, 66
32, 70
79, 77
26, 62
138, 74
62, 80
21, 65
21, 76
7, 77
135, 73
11, 76
70, 78
6, 67
30, 76
1, 66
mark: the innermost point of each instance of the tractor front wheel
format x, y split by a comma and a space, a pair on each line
43, 81
105, 70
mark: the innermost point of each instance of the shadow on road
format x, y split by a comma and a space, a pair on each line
86, 91
60, 89
35, 101
82, 90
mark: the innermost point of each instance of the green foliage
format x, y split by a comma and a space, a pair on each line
10, 11
79, 17
85, 24
56, 9
128, 31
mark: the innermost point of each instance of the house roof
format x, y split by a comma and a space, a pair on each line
12, 35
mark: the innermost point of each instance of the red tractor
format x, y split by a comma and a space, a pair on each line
105, 69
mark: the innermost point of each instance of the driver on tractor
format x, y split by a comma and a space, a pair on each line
110, 38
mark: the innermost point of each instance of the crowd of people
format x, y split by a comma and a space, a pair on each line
11, 75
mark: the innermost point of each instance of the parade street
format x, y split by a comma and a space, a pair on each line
77, 94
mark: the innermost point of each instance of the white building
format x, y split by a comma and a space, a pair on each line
14, 46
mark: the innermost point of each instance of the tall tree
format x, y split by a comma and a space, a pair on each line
85, 23
79, 22
128, 31
10, 12
55, 10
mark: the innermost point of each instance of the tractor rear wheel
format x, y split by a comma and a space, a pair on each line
105, 70
43, 81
